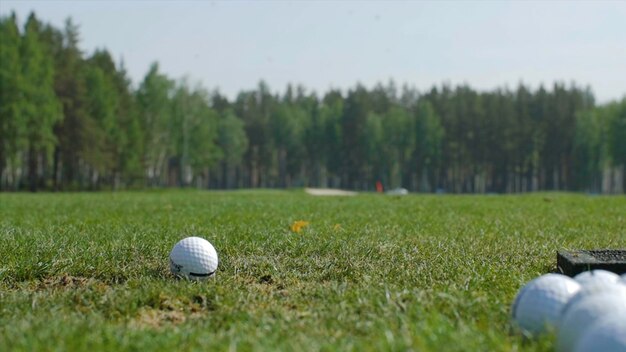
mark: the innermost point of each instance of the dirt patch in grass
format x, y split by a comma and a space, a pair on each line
59, 282
171, 311
68, 282
150, 318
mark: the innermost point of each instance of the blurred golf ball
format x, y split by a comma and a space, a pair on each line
539, 303
587, 309
588, 277
593, 288
193, 258
606, 334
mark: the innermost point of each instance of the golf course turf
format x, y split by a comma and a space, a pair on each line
90, 271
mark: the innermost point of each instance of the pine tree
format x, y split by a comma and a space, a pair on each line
12, 123
233, 142
129, 142
194, 134
354, 138
428, 151
399, 136
331, 111
154, 100
41, 108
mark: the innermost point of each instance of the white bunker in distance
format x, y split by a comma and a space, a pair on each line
607, 334
193, 258
586, 308
539, 303
589, 277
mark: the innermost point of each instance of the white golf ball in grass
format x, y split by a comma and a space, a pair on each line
193, 258
606, 334
585, 310
592, 276
539, 303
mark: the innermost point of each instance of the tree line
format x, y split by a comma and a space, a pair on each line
72, 121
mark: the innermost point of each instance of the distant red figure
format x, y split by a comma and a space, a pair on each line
379, 187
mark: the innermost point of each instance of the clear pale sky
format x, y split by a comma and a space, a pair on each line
323, 44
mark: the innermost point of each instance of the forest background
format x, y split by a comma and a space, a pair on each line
70, 120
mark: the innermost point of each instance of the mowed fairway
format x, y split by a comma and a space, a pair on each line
371, 272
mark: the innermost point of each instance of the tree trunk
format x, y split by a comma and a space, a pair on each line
32, 169
282, 167
254, 169
2, 167
56, 166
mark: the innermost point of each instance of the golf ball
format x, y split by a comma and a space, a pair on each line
591, 289
588, 277
539, 303
584, 312
193, 258
607, 334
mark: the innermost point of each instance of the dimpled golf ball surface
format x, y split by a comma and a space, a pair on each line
193, 258
607, 334
539, 303
593, 276
578, 317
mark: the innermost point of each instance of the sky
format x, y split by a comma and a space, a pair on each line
232, 45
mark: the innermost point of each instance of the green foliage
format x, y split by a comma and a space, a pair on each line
429, 136
232, 138
354, 136
77, 132
254, 108
40, 108
194, 131
102, 103
431, 273
129, 137
399, 136
330, 131
289, 123
75, 122
376, 150
599, 144
617, 132
12, 123
154, 100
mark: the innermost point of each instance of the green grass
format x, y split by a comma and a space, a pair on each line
433, 273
